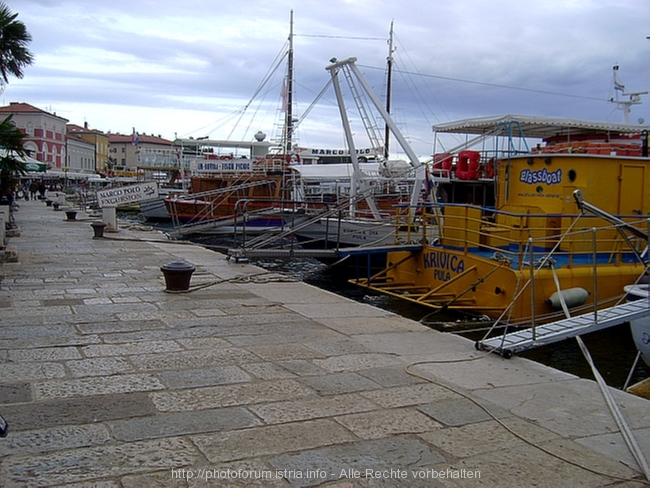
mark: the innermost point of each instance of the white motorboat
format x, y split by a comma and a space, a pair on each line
640, 327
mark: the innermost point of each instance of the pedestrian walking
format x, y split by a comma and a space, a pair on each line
33, 189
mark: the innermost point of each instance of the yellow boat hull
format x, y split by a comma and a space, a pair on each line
452, 279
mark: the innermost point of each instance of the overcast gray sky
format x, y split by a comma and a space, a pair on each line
189, 67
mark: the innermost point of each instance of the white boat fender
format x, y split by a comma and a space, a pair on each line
636, 292
573, 297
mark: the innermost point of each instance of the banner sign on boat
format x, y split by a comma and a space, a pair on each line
443, 264
127, 194
541, 176
344, 152
244, 165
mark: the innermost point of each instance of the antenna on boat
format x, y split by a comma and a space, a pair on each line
625, 105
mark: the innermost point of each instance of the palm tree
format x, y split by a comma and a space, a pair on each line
14, 55
11, 140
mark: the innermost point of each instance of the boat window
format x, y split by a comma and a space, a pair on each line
572, 175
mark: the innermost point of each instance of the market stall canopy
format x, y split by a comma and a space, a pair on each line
31, 164
35, 166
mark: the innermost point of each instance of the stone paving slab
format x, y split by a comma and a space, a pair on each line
605, 443
81, 410
107, 461
183, 423
462, 411
512, 467
55, 439
345, 461
251, 378
271, 440
540, 403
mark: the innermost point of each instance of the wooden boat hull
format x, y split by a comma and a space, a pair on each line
251, 198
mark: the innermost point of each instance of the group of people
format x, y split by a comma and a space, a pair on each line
34, 188
31, 190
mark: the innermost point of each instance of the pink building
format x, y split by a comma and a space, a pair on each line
45, 132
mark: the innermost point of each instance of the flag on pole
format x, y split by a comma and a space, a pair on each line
428, 181
618, 86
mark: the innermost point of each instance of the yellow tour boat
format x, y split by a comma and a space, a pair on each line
518, 260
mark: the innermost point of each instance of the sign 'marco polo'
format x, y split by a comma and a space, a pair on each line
127, 194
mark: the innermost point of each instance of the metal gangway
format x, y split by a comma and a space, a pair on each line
541, 335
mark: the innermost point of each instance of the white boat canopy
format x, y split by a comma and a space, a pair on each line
335, 171
537, 127
257, 148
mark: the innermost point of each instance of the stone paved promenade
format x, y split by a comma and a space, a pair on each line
107, 380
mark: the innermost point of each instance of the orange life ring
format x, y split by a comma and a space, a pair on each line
489, 169
292, 157
442, 161
468, 165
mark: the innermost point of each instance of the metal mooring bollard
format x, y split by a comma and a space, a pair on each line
71, 214
98, 228
177, 275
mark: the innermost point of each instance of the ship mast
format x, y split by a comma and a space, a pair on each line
389, 76
288, 140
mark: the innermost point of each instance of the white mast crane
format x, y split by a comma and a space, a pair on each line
350, 67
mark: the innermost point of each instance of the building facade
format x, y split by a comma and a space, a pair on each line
70, 147
45, 132
80, 155
95, 137
126, 151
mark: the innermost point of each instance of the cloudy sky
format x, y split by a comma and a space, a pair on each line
193, 67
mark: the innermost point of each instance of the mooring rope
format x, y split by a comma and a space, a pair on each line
628, 437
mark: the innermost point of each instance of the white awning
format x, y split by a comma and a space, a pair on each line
71, 174
537, 127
